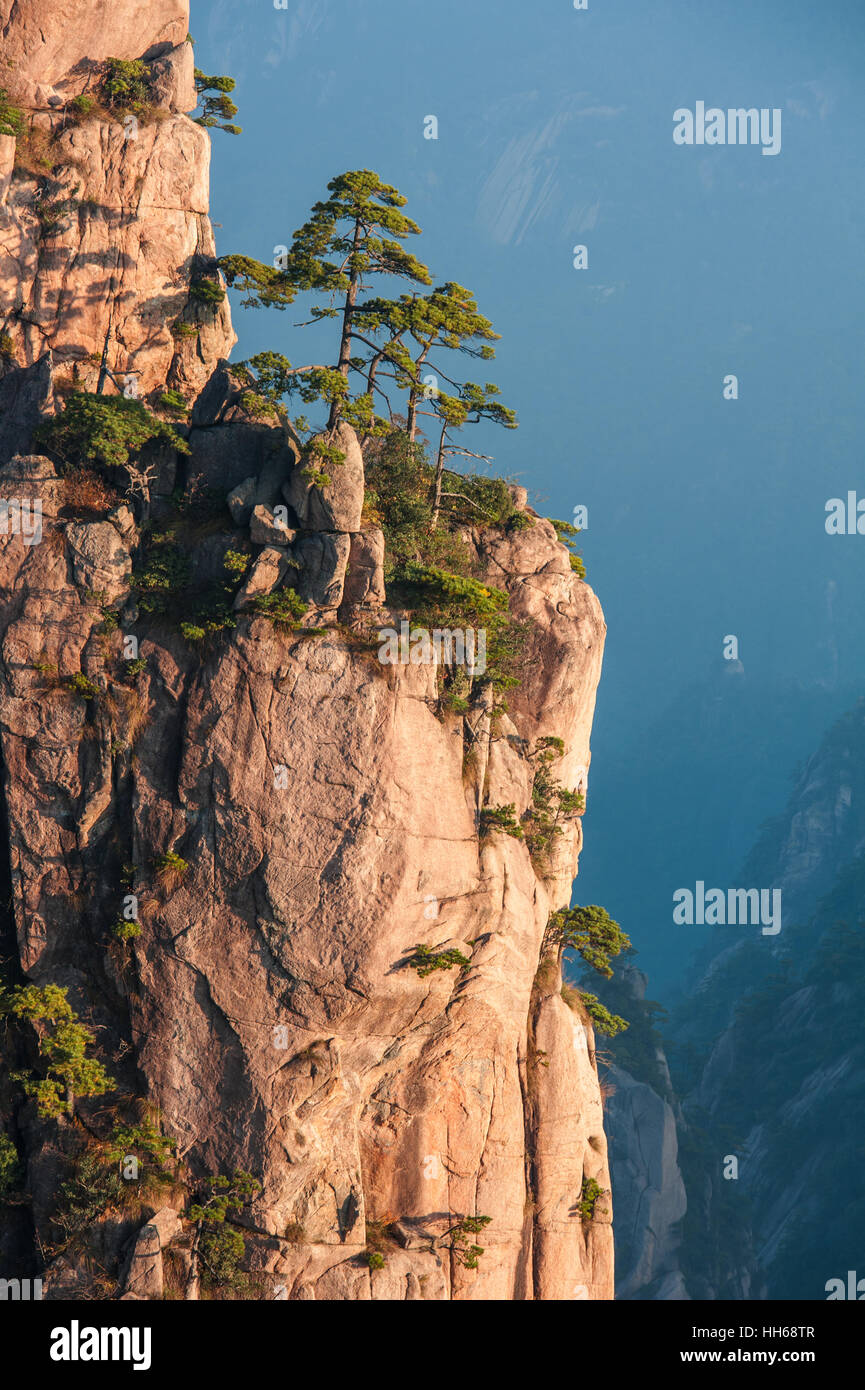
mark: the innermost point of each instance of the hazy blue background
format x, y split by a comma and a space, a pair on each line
706, 516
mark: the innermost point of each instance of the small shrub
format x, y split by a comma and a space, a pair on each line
180, 329
284, 608
82, 105
7, 347
85, 492
11, 118
173, 403
589, 1197
566, 534
374, 1259
218, 1246
237, 562
501, 818
295, 1233
94, 429
475, 600
80, 685
10, 1168
170, 870
62, 1042
221, 1249
126, 85
206, 292
467, 1255
163, 577
425, 960
144, 1140
125, 931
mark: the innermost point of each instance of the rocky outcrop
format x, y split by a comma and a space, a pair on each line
103, 223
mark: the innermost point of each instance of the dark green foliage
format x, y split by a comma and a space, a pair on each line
145, 1141
10, 1168
205, 291
171, 863
163, 577
284, 608
217, 108
105, 430
84, 1195
591, 932
62, 1042
398, 480
375, 1259
80, 685
126, 85
83, 104
589, 1198
552, 804
11, 118
500, 818
219, 1196
454, 595
467, 1255
263, 285
604, 1021
221, 1247
7, 347
173, 403
124, 931
425, 960
566, 533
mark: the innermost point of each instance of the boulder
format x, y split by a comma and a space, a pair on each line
364, 580
266, 575
241, 501
144, 1276
101, 561
323, 558
173, 79
337, 506
267, 529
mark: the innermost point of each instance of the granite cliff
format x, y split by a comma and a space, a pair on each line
290, 816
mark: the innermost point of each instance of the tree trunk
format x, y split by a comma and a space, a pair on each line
440, 468
192, 1290
343, 366
414, 395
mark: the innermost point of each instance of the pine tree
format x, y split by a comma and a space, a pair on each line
217, 108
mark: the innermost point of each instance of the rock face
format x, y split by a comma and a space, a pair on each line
53, 47
648, 1189
102, 224
325, 816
